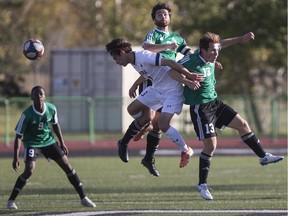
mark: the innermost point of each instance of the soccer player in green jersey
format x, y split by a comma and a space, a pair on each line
33, 130
168, 44
161, 39
208, 112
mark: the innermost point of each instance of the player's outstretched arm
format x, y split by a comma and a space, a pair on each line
232, 41
181, 69
178, 77
159, 47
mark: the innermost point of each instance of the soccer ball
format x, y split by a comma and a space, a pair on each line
33, 49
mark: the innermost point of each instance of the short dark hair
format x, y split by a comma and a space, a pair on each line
118, 44
208, 38
36, 88
160, 6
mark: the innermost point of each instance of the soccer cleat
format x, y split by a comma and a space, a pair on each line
142, 131
204, 191
150, 165
123, 152
185, 156
269, 158
87, 202
11, 204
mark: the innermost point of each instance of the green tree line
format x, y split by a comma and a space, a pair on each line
258, 67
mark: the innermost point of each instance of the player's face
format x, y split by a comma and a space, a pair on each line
212, 53
120, 59
162, 18
38, 97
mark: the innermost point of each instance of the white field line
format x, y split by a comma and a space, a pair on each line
173, 212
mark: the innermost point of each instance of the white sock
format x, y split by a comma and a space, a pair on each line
176, 138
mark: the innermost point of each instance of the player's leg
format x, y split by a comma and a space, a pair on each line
203, 117
248, 137
30, 156
204, 166
173, 134
142, 116
153, 140
56, 153
145, 129
148, 126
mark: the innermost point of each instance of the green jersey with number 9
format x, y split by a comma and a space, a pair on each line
34, 126
206, 93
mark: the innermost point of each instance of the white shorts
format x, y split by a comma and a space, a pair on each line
171, 102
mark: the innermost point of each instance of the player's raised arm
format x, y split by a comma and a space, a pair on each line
232, 41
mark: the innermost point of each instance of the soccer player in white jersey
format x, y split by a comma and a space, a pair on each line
165, 92
33, 130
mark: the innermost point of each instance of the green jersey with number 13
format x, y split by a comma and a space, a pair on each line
206, 93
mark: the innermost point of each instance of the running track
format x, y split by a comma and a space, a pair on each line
109, 147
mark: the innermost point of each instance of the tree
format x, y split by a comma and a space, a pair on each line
255, 68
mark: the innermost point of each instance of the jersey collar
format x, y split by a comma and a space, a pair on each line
39, 112
164, 32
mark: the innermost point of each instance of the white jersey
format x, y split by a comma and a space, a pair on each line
165, 92
148, 64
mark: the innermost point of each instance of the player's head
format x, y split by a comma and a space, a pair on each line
117, 47
161, 14
209, 46
38, 95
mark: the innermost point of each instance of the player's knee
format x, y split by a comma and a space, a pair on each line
163, 127
245, 126
27, 174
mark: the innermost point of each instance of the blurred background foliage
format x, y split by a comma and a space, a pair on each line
258, 67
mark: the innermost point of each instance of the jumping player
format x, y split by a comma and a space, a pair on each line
165, 92
208, 112
168, 44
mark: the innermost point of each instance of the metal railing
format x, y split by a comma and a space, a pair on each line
266, 115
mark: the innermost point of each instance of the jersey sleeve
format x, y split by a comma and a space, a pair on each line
149, 38
148, 58
183, 48
54, 119
21, 125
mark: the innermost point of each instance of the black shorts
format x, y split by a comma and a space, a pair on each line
144, 85
207, 117
53, 152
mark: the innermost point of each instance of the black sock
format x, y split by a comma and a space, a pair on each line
75, 181
153, 139
204, 167
19, 184
253, 142
133, 128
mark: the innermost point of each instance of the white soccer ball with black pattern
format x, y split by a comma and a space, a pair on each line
33, 49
